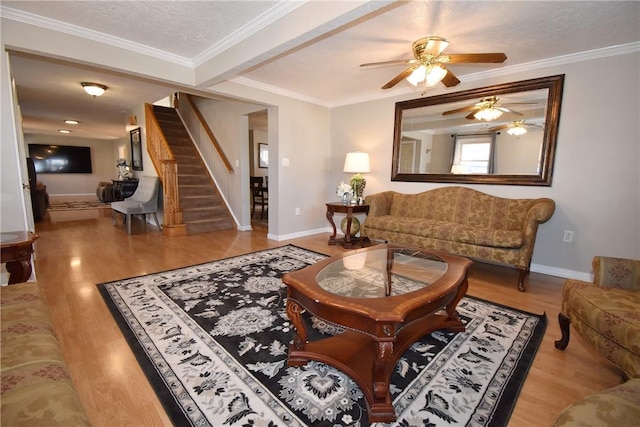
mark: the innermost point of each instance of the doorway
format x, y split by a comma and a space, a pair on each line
259, 170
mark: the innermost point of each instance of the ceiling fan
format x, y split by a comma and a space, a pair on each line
428, 63
515, 127
486, 109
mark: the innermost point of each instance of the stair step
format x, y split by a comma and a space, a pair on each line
195, 190
184, 150
213, 212
196, 169
187, 202
196, 179
187, 157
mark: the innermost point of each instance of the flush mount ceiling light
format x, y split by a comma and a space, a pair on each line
64, 131
94, 89
71, 122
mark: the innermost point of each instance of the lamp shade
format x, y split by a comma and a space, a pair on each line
357, 163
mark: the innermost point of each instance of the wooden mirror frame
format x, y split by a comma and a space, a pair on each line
554, 84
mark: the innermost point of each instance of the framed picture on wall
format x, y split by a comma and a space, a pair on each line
263, 156
136, 149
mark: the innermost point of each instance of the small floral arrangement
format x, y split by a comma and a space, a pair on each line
343, 189
123, 169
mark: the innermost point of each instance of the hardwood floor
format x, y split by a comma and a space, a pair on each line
72, 256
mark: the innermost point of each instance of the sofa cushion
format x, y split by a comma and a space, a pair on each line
618, 406
463, 206
610, 313
447, 231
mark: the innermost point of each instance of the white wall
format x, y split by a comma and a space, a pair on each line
103, 165
596, 181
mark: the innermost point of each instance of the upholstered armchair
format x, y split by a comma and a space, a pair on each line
143, 201
606, 313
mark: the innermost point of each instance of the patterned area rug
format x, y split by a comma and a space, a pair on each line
71, 205
213, 341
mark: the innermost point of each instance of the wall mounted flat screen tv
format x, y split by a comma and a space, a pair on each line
60, 158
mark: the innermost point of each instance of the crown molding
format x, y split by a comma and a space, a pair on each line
77, 31
279, 91
252, 27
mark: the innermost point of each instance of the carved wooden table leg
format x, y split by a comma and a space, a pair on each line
294, 312
453, 315
17, 248
381, 409
332, 239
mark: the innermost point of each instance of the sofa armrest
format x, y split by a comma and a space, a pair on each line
620, 273
541, 210
379, 203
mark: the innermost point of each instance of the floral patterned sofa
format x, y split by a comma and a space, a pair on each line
36, 387
460, 221
606, 314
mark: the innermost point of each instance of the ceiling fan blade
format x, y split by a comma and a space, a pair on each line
460, 110
450, 79
507, 110
396, 62
397, 79
459, 58
497, 128
471, 115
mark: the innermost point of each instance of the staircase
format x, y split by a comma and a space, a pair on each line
202, 207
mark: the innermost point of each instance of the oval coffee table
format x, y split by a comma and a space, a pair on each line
386, 297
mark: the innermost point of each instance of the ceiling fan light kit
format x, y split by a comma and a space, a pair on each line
428, 63
94, 89
431, 75
488, 114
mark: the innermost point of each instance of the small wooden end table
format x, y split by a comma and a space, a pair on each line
347, 241
386, 297
17, 248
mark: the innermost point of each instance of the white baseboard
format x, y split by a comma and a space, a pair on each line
306, 233
562, 272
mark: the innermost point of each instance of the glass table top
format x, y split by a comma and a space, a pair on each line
376, 273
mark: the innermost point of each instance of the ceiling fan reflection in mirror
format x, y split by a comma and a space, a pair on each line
515, 127
428, 65
487, 109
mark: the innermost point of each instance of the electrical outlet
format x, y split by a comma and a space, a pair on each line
568, 236
297, 211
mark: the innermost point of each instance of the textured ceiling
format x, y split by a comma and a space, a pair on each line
318, 63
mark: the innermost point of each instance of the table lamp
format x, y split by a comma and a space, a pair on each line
357, 163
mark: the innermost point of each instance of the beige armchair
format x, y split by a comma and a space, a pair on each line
606, 313
143, 201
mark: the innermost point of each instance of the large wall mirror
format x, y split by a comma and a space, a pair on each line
503, 134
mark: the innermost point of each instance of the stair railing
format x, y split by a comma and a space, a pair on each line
167, 169
209, 133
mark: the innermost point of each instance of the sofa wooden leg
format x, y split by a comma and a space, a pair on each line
563, 342
522, 274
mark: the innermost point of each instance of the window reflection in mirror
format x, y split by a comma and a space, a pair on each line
441, 139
